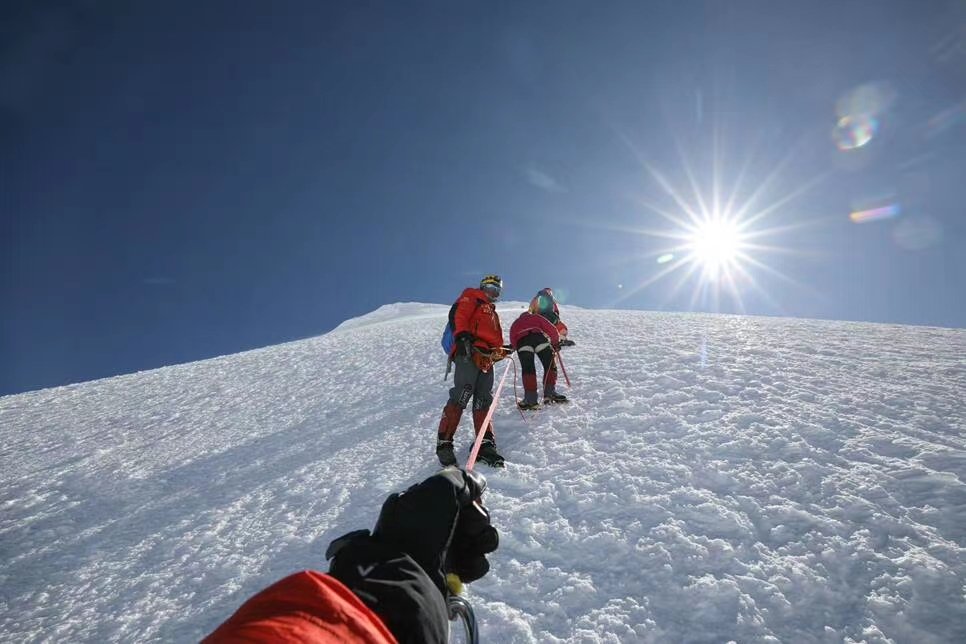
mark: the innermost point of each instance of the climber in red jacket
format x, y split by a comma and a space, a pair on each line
478, 344
532, 335
539, 333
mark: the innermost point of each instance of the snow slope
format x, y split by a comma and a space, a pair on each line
715, 478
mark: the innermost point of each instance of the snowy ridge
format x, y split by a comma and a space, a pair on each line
714, 478
414, 310
395, 312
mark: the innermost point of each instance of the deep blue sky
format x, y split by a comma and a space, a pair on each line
186, 179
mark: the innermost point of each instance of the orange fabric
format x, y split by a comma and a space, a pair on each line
477, 315
561, 328
308, 606
483, 362
534, 304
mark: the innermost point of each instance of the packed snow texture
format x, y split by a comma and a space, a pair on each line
714, 478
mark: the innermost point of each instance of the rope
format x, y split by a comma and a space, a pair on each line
471, 461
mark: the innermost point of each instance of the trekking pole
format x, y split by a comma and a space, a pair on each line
486, 422
460, 608
564, 371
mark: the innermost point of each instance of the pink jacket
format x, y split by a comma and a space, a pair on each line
530, 322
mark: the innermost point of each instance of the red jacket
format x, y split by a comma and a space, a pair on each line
308, 606
476, 315
528, 323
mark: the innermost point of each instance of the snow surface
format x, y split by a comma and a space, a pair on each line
714, 478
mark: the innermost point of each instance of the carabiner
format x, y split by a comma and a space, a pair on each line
460, 608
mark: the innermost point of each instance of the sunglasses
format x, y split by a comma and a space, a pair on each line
492, 290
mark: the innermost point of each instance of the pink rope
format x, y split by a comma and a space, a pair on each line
471, 461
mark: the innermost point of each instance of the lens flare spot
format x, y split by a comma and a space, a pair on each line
869, 99
875, 214
853, 132
665, 258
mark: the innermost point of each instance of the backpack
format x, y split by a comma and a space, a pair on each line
447, 341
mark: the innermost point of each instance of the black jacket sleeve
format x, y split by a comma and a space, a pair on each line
393, 585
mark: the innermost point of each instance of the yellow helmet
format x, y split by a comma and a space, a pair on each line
491, 280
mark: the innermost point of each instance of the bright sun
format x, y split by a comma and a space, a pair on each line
715, 244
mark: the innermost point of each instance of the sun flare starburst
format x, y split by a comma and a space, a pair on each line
717, 234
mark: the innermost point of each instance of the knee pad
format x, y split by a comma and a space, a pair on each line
464, 396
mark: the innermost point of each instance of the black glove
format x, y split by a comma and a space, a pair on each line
567, 343
433, 528
421, 522
464, 346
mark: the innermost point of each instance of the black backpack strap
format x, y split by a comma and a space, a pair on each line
452, 315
